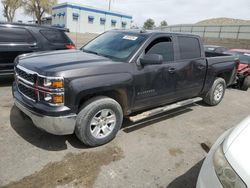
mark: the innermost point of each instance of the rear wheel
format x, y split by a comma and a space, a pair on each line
245, 84
216, 93
98, 121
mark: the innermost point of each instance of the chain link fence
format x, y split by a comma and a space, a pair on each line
212, 31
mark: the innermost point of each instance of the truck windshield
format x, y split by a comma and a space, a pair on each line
115, 45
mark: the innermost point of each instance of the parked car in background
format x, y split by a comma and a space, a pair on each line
227, 163
243, 75
17, 39
119, 73
214, 48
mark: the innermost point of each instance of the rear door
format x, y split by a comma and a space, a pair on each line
56, 39
191, 67
13, 42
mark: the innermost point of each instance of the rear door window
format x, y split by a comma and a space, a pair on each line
189, 47
55, 36
15, 35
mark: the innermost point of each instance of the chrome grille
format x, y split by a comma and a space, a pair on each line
27, 91
26, 83
31, 85
26, 76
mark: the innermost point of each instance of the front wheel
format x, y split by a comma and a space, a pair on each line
216, 93
98, 121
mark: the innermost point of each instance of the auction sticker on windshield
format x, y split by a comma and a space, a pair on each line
130, 37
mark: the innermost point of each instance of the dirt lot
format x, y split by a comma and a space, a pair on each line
164, 151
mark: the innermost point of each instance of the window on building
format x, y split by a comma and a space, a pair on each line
189, 47
102, 21
91, 19
75, 16
113, 23
162, 46
124, 24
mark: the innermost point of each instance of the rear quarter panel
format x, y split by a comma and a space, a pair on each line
224, 67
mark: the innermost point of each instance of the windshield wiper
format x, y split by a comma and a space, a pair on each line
96, 53
91, 52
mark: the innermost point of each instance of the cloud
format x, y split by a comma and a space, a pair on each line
176, 11
173, 11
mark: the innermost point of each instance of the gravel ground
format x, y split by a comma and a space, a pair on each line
164, 151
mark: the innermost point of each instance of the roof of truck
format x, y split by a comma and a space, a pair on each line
240, 50
153, 32
212, 46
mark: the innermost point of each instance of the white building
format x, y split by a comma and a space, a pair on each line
81, 18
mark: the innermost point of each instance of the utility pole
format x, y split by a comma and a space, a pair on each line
109, 4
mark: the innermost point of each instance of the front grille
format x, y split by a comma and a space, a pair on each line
26, 81
28, 92
27, 76
30, 85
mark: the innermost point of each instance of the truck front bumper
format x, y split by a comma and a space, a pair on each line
61, 125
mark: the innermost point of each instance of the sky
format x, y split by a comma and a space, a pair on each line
173, 11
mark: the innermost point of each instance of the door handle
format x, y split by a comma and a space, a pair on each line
200, 67
33, 46
171, 70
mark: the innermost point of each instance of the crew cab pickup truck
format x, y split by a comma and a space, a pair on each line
133, 74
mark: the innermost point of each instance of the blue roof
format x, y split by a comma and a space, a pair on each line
81, 7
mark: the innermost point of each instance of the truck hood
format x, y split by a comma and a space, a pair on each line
55, 62
236, 148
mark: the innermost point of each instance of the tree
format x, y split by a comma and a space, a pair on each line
164, 23
149, 24
38, 8
10, 7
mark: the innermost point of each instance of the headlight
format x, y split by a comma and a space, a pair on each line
53, 82
52, 90
54, 98
226, 174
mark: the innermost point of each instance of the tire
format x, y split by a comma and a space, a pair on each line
245, 84
98, 121
216, 93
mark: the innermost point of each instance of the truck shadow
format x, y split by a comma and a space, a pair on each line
188, 179
129, 126
25, 128
6, 81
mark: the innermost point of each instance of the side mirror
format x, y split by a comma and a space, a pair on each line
151, 59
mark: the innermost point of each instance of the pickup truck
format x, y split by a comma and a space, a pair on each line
121, 73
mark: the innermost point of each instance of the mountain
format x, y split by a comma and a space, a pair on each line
224, 21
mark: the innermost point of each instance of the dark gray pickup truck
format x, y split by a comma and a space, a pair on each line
133, 74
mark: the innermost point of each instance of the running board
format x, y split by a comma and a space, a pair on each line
166, 108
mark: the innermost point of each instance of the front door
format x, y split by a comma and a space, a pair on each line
155, 84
